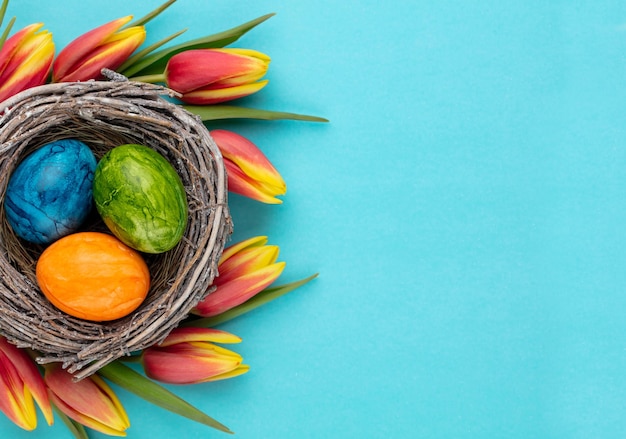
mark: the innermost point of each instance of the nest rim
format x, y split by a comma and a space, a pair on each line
104, 114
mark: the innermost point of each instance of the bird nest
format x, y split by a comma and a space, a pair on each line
105, 114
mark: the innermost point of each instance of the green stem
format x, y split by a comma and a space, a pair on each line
260, 299
6, 32
156, 394
148, 50
3, 10
151, 79
74, 427
219, 112
151, 15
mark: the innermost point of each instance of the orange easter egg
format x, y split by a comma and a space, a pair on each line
93, 276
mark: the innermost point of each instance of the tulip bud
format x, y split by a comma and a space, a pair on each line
211, 76
103, 47
20, 383
90, 401
25, 60
187, 356
245, 269
250, 173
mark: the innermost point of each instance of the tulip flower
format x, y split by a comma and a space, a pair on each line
245, 269
211, 76
20, 384
25, 60
103, 47
250, 173
188, 356
90, 401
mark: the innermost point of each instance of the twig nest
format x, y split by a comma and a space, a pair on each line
104, 115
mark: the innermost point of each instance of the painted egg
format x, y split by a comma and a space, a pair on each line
141, 198
93, 276
49, 194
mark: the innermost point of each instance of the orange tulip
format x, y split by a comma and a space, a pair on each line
245, 269
20, 384
103, 47
25, 60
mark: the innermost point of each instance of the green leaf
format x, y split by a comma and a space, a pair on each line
156, 394
144, 52
142, 21
78, 430
218, 112
3, 10
260, 299
155, 63
6, 32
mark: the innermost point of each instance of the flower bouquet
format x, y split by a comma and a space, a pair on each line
114, 219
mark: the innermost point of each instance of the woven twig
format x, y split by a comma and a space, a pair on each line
104, 115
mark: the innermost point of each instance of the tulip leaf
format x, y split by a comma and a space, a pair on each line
144, 52
6, 32
78, 430
260, 299
156, 394
3, 10
155, 63
219, 112
143, 20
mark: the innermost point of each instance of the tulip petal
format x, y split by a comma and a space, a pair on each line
236, 248
239, 370
89, 401
30, 375
210, 96
16, 401
246, 261
84, 420
32, 70
188, 363
238, 290
249, 158
11, 45
110, 54
82, 46
241, 184
180, 335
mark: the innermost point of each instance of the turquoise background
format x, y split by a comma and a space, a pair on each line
464, 208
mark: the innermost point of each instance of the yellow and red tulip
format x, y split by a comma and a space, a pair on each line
211, 76
245, 269
107, 46
25, 60
90, 401
189, 356
249, 171
21, 385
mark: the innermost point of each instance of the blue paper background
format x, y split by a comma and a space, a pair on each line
464, 208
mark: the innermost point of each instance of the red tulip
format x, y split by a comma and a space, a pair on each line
103, 47
211, 76
188, 356
250, 173
25, 60
245, 269
90, 401
20, 384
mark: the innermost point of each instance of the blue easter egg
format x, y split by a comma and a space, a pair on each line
49, 194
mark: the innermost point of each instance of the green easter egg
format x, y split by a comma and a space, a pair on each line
141, 198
